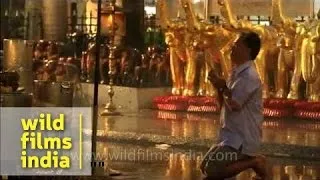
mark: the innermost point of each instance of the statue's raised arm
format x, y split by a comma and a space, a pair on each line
164, 20
191, 19
268, 52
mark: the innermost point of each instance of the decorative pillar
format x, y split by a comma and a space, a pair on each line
55, 21
134, 23
34, 21
206, 8
4, 20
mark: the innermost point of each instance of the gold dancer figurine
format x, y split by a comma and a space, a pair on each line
266, 59
289, 43
310, 58
176, 37
215, 41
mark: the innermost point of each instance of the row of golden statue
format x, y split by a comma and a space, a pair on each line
289, 49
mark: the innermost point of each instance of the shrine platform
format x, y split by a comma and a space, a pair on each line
276, 108
128, 99
132, 99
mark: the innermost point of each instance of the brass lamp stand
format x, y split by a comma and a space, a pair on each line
110, 109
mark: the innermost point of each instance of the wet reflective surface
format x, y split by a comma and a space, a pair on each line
206, 126
142, 162
168, 161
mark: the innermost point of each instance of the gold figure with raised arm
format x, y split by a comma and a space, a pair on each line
289, 42
215, 41
177, 38
266, 59
310, 58
192, 52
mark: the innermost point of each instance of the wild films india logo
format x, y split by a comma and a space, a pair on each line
46, 141
36, 141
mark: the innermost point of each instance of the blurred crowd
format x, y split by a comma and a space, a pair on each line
131, 67
50, 65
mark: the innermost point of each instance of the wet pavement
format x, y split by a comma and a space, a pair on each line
295, 138
206, 126
165, 145
163, 163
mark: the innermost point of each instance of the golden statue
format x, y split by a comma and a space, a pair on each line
266, 59
289, 43
215, 41
178, 38
192, 49
310, 58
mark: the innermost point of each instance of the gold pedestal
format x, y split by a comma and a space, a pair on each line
110, 110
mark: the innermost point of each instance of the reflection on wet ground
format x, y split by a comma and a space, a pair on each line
168, 163
139, 162
206, 126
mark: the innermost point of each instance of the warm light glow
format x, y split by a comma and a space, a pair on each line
107, 21
150, 10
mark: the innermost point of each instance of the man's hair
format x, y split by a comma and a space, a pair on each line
253, 42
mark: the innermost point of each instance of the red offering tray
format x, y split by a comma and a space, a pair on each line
278, 113
186, 103
292, 108
278, 108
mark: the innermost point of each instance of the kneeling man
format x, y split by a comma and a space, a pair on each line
241, 115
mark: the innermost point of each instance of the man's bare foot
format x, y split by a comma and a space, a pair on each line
260, 167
